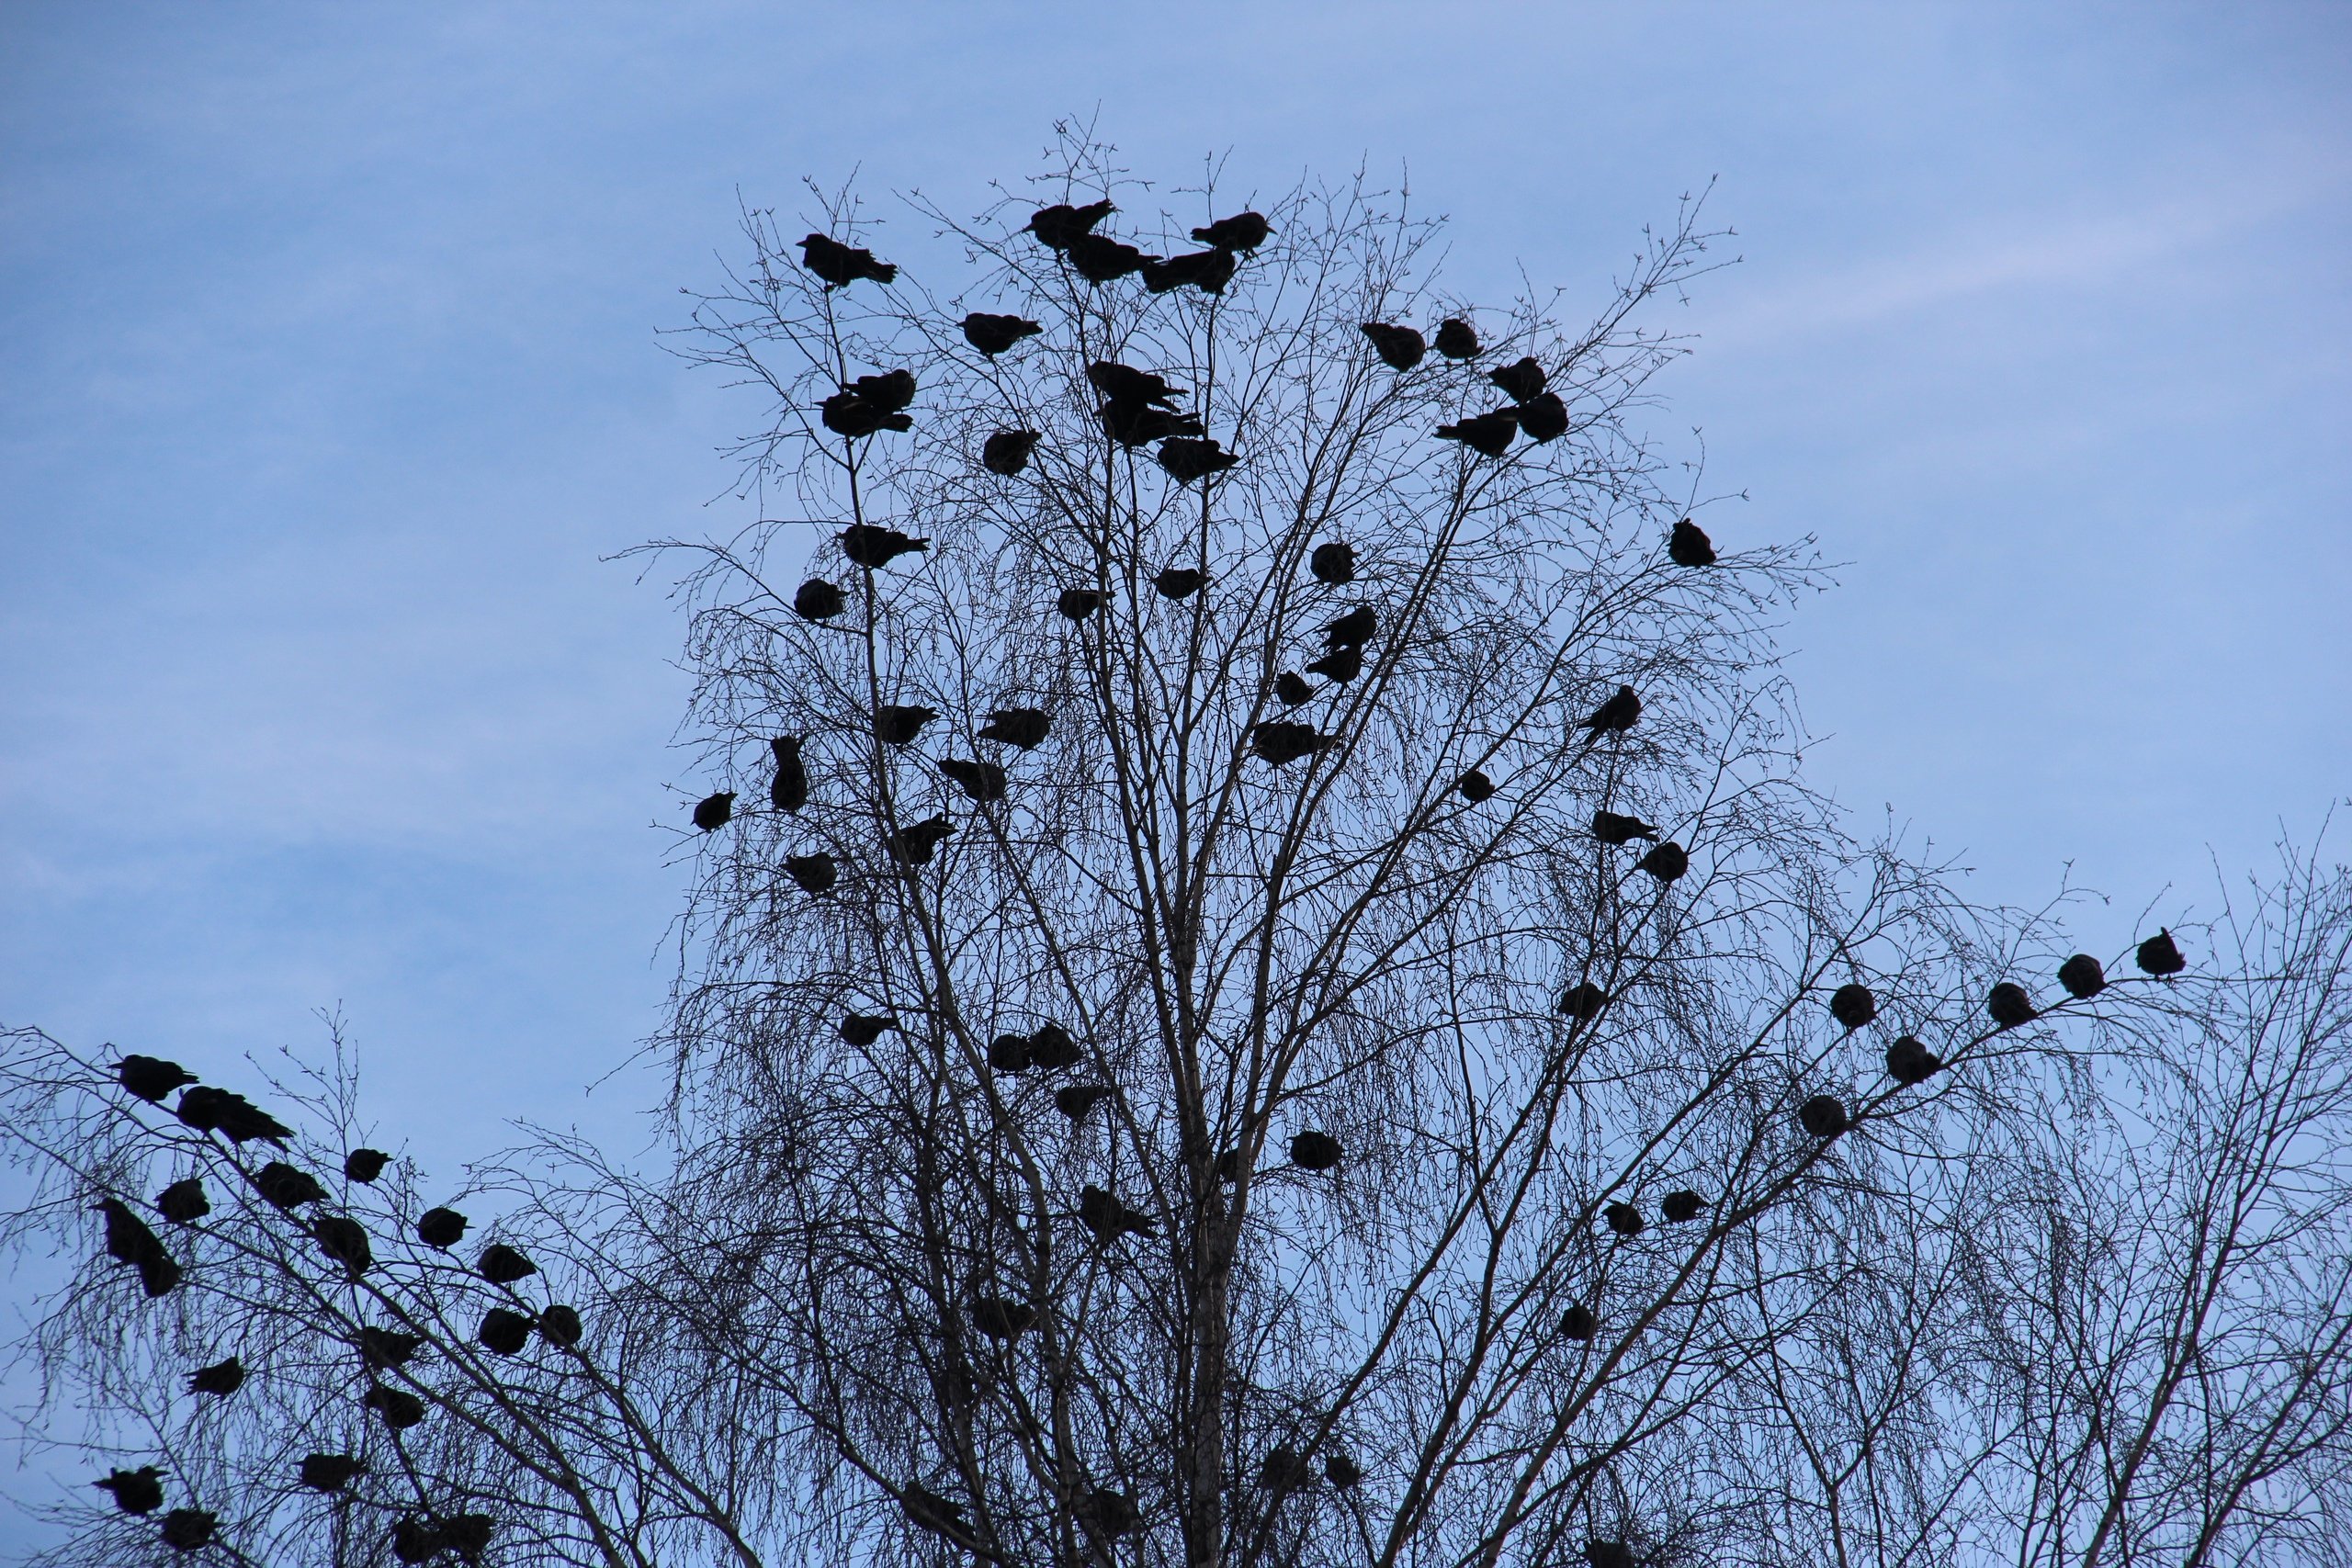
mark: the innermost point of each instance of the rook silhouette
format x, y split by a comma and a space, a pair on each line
869, 544
817, 599
1242, 231
384, 1348
1292, 689
1006, 453
1578, 1324
399, 1408
1624, 1219
233, 1116
1108, 1218
1080, 1097
1583, 1001
1059, 224
864, 1029
220, 1380
1455, 340
1520, 380
189, 1530
1475, 786
1187, 458
1488, 435
1179, 583
1824, 1116
1312, 1150
1681, 1206
789, 791
713, 812
1688, 545
1618, 714
1052, 1049
344, 1240
1910, 1062
1608, 1555
1341, 1471
2082, 976
1001, 1319
1009, 1054
1613, 828
841, 266
285, 1188
1352, 629
183, 1202
129, 1241
329, 1472
1542, 418
914, 844
2160, 955
1341, 664
137, 1491
1077, 603
1025, 727
1400, 348
502, 1265
2009, 1004
994, 334
152, 1077
440, 1228
927, 1508
1102, 259
502, 1331
980, 781
1333, 562
364, 1165
1668, 861
1208, 271
1280, 741
560, 1326
897, 726
1854, 1006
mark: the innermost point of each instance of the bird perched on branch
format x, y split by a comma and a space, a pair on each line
1242, 231
980, 781
870, 405
502, 1265
713, 812
1475, 786
994, 334
927, 1508
2160, 955
1341, 664
344, 1240
1292, 689
1188, 458
1025, 727
1455, 340
1138, 424
151, 1077
1521, 380
861, 1030
1000, 1318
1824, 1116
560, 1326
2082, 976
383, 1348
1059, 224
1006, 453
1280, 741
1854, 1006
841, 266
1613, 828
1681, 1206
1619, 714
1910, 1062
1488, 435
233, 1116
817, 599
399, 1408
364, 1165
1312, 1150
1578, 1324
1624, 1219
898, 724
789, 791
1051, 1048
1341, 1471
914, 844
1208, 271
1010, 1053
872, 546
1542, 417
1333, 562
502, 1331
1079, 1098
137, 1491
183, 1202
1668, 861
1099, 258
220, 1380
189, 1530
285, 1188
1077, 603
813, 874
1179, 583
1108, 1218
1688, 544
1400, 348
2009, 1004
129, 1241
329, 1472
1351, 630
440, 1228
1608, 1555
1125, 383
1583, 1001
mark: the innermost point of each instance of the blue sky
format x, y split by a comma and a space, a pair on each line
331, 372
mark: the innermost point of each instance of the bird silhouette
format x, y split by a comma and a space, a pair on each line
1618, 714
189, 1530
233, 1116
871, 545
1824, 1116
1624, 1219
1285, 1470
1455, 340
1688, 545
1312, 1150
1208, 271
898, 725
1059, 224
789, 791
864, 1029
183, 1202
129, 1241
440, 1228
1077, 603
1080, 1097
1668, 861
1578, 1324
849, 412
1341, 1471
329, 1472
399, 1408
885, 391
1351, 630
1542, 417
364, 1165
1333, 562
927, 1508
1488, 435
152, 1077
1102, 259
1292, 689
1111, 1513
994, 334
1025, 727
1000, 1318
220, 1380
384, 1348
1583, 1001
417, 1540
1608, 1555
2009, 1004
1006, 453
344, 1240
285, 1188
1242, 231
1681, 1206
1051, 1048
137, 1491
841, 266
1521, 380
502, 1265
2082, 976
1009, 1054
914, 844
1280, 741
1126, 384
1341, 664
1179, 583
1611, 828
1137, 424
2160, 955
1400, 348
713, 812
1910, 1062
1108, 1218
1188, 458
1475, 786
560, 1326
468, 1535
817, 599
1854, 1006
980, 781
502, 1331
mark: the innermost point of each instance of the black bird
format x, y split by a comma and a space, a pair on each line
2160, 955
1077, 603
417, 1540
1006, 453
137, 1491
502, 1265
1025, 727
1611, 828
344, 1240
1475, 786
1542, 418
364, 1165
1910, 1062
1312, 1150
233, 1116
152, 1077
1208, 271
1280, 741
1285, 1470
183, 1202
1126, 384
713, 812
1520, 380
1001, 1319
2009, 1004
329, 1472
382, 1347
1059, 224
1341, 664
861, 1029
812, 873
1102, 259
1616, 715
1352, 629
1333, 562
1608, 1555
1400, 348
1854, 1006
1010, 1053
129, 1241
980, 781
849, 413
1187, 458
817, 600
189, 1530
1137, 424
1080, 1097
1624, 1219
2082, 976
285, 1188
1488, 433
502, 1331
994, 334
1455, 340
1824, 1116
1052, 1049
841, 266
440, 1228
1681, 1206
789, 791
560, 1326
1108, 1218
399, 1408
1292, 689
1179, 583
221, 1377
942, 1515
1583, 1001
897, 726
468, 1535
1578, 1324
1112, 1513
1688, 545
1341, 1471
1242, 231
915, 843
871, 545
1668, 861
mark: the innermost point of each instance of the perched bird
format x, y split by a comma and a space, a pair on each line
2160, 955
1400, 348
1137, 424
233, 1116
1578, 1324
152, 1077
980, 781
183, 1202
1341, 1471
1126, 384
1352, 629
1010, 1053
870, 544
440, 1228
502, 1265
399, 1408
1112, 1513
383, 1348
1006, 453
1052, 1049
1312, 1150
1824, 1116
221, 1378
864, 1029
1284, 1468
2082, 976
1611, 828
1292, 689
129, 1241
841, 266
2009, 1004
364, 1165
851, 413
1280, 741
1854, 1006
1242, 231
817, 599
1618, 714
329, 1472
1910, 1062
1476, 785
1688, 545
1059, 224
1208, 271
898, 725
468, 1535
1542, 418
1188, 458
1624, 1219
1077, 603
1079, 1098
1583, 1001
1681, 1206
344, 1240
1521, 380
713, 812
1108, 1218
137, 1491
789, 791
1668, 861
1333, 562
1608, 1555
1102, 259
1001, 1319
1455, 340
189, 1530
1025, 727
927, 1508
285, 1188
1341, 664
417, 1540
560, 1326
994, 334
914, 844
1488, 433
1179, 583
502, 1331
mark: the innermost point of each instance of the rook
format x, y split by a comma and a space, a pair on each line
344, 1240
1455, 340
2082, 976
1488, 433
1102, 259
233, 1116
1312, 1150
789, 791
1688, 545
1352, 629
399, 1408
560, 1326
1006, 453
1280, 741
817, 600
899, 726
502, 1265
980, 781
1475, 786
221, 1378
914, 844
285, 1188
1242, 231
1613, 828
1400, 348
1079, 1098
2009, 1004
1542, 418
152, 1077
1583, 1001
1520, 380
329, 1472
1578, 1324
1668, 861
183, 1202
1854, 1006
1910, 1062
1292, 689
841, 266
1333, 562
713, 812
189, 1530
1059, 224
502, 1331
1025, 727
137, 1491
1824, 1116
1681, 1206
1624, 1218
1077, 603
2160, 955
868, 545
440, 1228
1616, 715
994, 334
1187, 458
1179, 583
364, 1165
814, 873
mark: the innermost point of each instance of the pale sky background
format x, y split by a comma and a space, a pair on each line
328, 372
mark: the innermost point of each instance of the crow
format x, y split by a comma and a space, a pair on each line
416, 1539
1608, 1555
1824, 1116
383, 1348
1488, 433
1455, 340
399, 1408
849, 412
2009, 1004
1284, 1468
468, 1535
1025, 727
1352, 629
1077, 603
1242, 231
841, 266
1051, 1048
1578, 1324
1583, 1001
817, 600
364, 1165
1059, 224
1854, 1006
1681, 1206
1179, 583
1341, 1471
232, 1115
1688, 545
1010, 1053
861, 1029
1476, 785
1279, 741
994, 334
1001, 1319
1400, 348
502, 1265
1080, 1097
285, 1188
914, 844
1006, 453
152, 1077
1110, 1512
1126, 384
886, 392
789, 791
440, 1228
1341, 664
189, 1530
1188, 458
870, 544
221, 1378
1668, 861
1208, 271
980, 781
1520, 380
183, 1202
560, 1326
898, 725
2160, 955
1140, 424
713, 812
129, 1241
1292, 689
1102, 259
927, 1508
329, 1472
1108, 1218
1542, 418
1909, 1062
1333, 562
1312, 1150
1611, 828
502, 1331
137, 1491
1616, 715
344, 1240
2082, 976
1624, 1219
